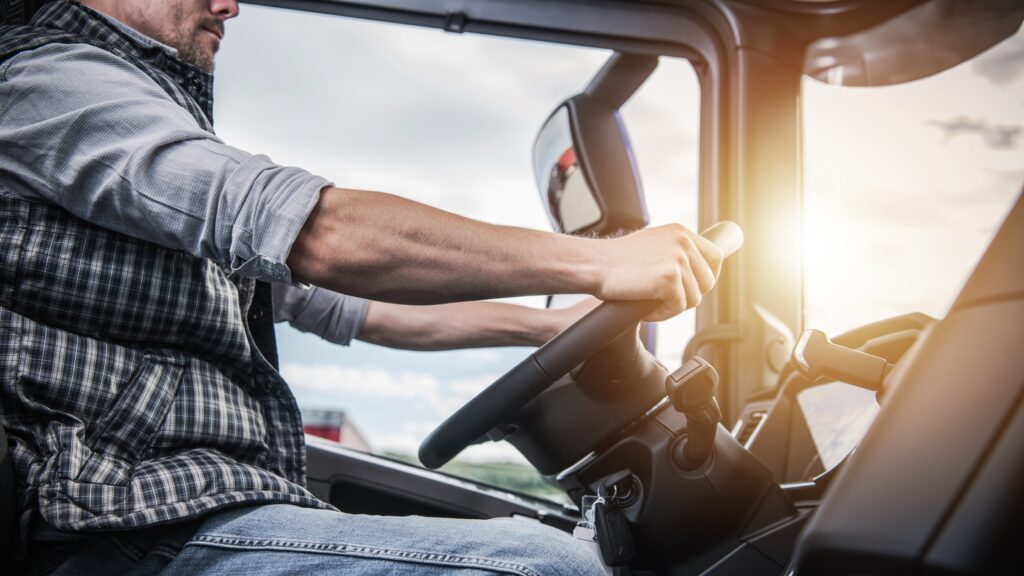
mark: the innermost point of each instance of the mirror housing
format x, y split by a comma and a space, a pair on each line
582, 158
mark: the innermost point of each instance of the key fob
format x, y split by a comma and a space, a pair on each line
613, 535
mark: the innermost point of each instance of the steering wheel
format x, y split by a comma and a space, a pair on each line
546, 365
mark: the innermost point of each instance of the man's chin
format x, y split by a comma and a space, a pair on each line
199, 58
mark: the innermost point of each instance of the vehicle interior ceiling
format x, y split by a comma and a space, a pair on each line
930, 486
933, 485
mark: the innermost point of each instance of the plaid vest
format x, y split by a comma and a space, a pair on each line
132, 383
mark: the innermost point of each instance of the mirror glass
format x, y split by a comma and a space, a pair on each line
567, 198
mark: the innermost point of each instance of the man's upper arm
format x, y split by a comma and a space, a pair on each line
96, 136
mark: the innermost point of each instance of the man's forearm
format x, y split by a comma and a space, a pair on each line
390, 249
387, 248
460, 325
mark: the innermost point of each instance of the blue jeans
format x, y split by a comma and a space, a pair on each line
284, 539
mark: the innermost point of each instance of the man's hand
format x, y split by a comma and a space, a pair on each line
668, 263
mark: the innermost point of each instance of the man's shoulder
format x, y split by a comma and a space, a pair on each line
52, 50
17, 39
60, 55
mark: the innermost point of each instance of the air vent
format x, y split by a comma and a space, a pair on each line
750, 425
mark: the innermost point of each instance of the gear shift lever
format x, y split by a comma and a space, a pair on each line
691, 389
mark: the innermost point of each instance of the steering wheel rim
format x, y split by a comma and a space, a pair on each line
529, 378
538, 371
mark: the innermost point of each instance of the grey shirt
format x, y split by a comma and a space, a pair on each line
89, 132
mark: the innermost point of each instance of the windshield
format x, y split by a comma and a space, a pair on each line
448, 120
904, 186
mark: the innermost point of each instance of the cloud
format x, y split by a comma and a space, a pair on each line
476, 357
406, 438
409, 387
390, 430
388, 95
404, 385
448, 120
358, 381
997, 136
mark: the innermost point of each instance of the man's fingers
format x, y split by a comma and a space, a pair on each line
673, 303
702, 272
712, 254
668, 263
664, 312
691, 289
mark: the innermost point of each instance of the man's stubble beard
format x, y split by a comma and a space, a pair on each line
188, 43
192, 53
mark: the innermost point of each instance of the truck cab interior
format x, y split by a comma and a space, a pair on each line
709, 466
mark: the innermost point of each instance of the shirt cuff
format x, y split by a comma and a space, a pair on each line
335, 317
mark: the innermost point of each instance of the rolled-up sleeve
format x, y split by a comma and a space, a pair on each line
89, 132
335, 317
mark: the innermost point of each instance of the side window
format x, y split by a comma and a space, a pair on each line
904, 188
448, 120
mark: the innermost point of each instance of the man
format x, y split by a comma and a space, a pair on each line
149, 427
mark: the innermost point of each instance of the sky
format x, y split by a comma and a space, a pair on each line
904, 185
444, 119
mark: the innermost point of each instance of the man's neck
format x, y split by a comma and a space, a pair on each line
101, 7
109, 8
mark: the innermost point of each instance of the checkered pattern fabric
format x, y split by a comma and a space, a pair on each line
131, 387
13, 12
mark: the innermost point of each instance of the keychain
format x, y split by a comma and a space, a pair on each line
611, 530
585, 530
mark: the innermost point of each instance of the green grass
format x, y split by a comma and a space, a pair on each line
509, 475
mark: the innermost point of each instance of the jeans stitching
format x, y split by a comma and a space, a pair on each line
366, 551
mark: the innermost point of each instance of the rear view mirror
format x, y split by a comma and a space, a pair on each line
582, 160
569, 200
